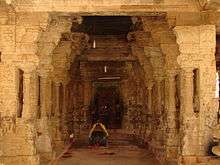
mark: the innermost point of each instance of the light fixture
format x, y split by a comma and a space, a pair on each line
94, 43
105, 69
109, 78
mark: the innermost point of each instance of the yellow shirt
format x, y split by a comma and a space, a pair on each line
95, 126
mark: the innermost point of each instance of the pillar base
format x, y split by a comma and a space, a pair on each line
46, 157
159, 152
172, 153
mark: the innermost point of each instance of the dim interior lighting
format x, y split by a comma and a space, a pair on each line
94, 42
105, 69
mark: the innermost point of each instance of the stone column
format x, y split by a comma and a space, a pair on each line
64, 98
45, 83
158, 85
149, 112
158, 115
43, 141
149, 101
64, 117
57, 96
57, 121
172, 139
25, 126
27, 93
189, 128
197, 51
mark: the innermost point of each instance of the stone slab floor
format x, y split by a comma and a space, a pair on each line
116, 155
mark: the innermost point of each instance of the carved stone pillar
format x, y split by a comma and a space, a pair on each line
172, 139
28, 92
45, 89
25, 125
149, 112
140, 47
64, 99
149, 102
159, 92
64, 116
43, 141
57, 120
197, 51
158, 114
57, 99
189, 128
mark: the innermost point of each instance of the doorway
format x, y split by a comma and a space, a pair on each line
107, 106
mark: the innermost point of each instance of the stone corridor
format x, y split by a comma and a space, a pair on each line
147, 69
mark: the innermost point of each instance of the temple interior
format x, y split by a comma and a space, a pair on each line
148, 70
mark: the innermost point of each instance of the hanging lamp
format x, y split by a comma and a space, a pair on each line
94, 42
105, 69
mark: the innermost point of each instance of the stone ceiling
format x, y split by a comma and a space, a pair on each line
105, 25
104, 7
114, 7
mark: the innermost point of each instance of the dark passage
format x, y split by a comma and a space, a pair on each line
107, 107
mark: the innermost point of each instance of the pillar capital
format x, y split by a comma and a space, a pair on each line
56, 83
159, 79
170, 74
187, 72
28, 69
150, 85
45, 71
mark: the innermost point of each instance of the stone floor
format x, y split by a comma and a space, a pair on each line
116, 155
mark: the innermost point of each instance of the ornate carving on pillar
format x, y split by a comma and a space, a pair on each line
163, 35
171, 115
50, 38
7, 125
139, 40
29, 27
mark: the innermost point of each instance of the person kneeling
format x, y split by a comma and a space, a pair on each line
98, 135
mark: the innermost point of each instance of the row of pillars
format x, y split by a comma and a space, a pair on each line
49, 94
187, 117
45, 93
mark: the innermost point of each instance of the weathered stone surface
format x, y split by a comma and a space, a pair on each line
153, 66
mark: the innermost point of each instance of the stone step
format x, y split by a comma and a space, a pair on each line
116, 137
